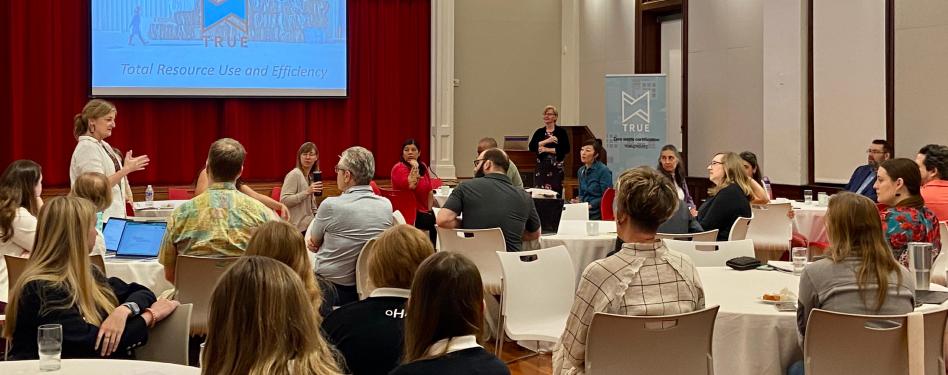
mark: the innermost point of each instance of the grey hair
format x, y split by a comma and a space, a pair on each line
360, 162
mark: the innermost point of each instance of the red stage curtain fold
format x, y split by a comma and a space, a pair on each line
44, 79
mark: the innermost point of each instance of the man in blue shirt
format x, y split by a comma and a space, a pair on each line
865, 176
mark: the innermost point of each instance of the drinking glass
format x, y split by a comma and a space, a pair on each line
807, 196
201, 356
592, 228
822, 199
799, 257
49, 339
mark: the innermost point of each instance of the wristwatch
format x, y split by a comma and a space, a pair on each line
134, 307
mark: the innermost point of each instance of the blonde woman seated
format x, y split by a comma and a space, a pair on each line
100, 317
281, 241
262, 322
643, 278
730, 197
859, 274
445, 315
369, 333
94, 186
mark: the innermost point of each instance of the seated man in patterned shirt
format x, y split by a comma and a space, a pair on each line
643, 278
219, 221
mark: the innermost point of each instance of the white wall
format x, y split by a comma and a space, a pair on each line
607, 46
671, 67
507, 58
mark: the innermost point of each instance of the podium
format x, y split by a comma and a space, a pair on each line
526, 161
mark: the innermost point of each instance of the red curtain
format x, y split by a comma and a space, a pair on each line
44, 80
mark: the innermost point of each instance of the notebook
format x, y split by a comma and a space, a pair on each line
141, 239
112, 233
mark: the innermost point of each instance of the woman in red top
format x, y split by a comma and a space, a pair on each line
413, 175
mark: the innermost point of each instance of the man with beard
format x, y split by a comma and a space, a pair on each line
491, 201
865, 176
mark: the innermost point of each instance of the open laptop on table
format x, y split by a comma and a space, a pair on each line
135, 239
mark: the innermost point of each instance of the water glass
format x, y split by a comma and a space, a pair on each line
201, 356
807, 196
49, 339
822, 199
592, 228
799, 257
920, 263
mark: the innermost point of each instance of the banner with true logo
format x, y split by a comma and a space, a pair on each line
635, 120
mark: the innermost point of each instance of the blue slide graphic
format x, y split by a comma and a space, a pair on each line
219, 47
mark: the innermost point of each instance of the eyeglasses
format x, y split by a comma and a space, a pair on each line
874, 152
476, 161
339, 169
713, 163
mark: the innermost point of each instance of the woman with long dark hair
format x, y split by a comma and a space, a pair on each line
671, 165
902, 210
413, 175
20, 187
753, 171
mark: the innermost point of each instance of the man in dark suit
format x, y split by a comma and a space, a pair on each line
865, 176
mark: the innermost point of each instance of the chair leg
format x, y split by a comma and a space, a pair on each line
499, 337
531, 355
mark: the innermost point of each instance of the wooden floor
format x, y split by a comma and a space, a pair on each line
536, 365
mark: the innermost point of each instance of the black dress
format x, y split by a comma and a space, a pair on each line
549, 172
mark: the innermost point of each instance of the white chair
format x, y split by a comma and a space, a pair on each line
771, 229
195, 278
671, 344
739, 229
364, 284
940, 265
478, 245
398, 218
575, 211
838, 343
168, 341
712, 253
711, 235
538, 292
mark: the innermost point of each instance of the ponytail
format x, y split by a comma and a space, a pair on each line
94, 109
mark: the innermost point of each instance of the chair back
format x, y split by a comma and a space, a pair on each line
176, 194
168, 340
837, 343
375, 187
575, 211
671, 344
364, 284
16, 265
99, 261
772, 227
539, 288
739, 229
195, 279
711, 235
404, 202
605, 205
479, 245
940, 265
712, 253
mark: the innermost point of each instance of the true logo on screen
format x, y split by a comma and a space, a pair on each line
636, 112
225, 23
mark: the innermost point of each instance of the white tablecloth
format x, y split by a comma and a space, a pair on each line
810, 221
583, 249
149, 273
100, 366
156, 208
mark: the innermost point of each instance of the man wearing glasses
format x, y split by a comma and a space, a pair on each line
491, 201
865, 176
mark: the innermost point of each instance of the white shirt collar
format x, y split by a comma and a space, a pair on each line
453, 344
390, 292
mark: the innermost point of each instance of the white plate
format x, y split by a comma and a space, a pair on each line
769, 302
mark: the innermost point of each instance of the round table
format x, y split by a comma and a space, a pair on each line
99, 366
441, 196
809, 220
147, 272
583, 249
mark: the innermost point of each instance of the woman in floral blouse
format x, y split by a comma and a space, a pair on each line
904, 215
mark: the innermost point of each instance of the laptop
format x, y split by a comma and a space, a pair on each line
550, 210
112, 233
141, 239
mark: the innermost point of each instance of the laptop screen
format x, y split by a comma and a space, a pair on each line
113, 233
141, 239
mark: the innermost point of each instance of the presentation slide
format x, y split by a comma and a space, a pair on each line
219, 48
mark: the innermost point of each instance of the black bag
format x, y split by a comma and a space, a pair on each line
743, 263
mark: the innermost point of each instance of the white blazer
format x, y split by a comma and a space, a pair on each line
91, 156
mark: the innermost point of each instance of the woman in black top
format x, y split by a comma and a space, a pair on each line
444, 317
730, 197
551, 144
99, 316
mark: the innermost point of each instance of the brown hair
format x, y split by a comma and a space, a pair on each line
282, 241
646, 197
94, 109
447, 300
908, 171
498, 158
936, 159
396, 254
305, 148
733, 174
95, 187
18, 189
225, 159
261, 322
855, 229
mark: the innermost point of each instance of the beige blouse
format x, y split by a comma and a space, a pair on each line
297, 198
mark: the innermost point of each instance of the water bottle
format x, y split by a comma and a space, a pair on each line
149, 194
770, 192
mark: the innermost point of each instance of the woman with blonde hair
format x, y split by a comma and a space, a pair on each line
281, 241
551, 144
730, 197
859, 274
20, 187
100, 317
93, 154
369, 333
444, 317
94, 186
271, 331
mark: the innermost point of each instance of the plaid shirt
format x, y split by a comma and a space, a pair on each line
641, 279
219, 222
